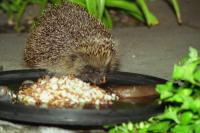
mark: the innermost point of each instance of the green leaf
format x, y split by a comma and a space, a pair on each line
112, 130
79, 2
123, 128
192, 56
188, 69
191, 104
196, 127
20, 15
185, 72
176, 7
5, 6
130, 126
165, 90
197, 75
186, 117
92, 7
107, 20
150, 18
181, 95
142, 125
193, 53
161, 127
131, 7
101, 8
182, 129
16, 5
142, 130
169, 113
184, 92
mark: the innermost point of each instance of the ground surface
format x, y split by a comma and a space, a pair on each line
151, 51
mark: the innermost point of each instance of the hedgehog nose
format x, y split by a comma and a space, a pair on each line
103, 79
100, 80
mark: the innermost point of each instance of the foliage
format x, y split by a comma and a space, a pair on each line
137, 9
99, 8
181, 97
15, 9
10, 7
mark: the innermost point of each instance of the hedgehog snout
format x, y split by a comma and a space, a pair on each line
93, 76
99, 80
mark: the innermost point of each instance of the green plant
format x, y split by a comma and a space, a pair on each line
181, 98
15, 9
176, 7
137, 9
99, 8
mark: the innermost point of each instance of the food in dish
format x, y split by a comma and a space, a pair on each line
64, 92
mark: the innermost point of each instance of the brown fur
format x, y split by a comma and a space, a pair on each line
67, 39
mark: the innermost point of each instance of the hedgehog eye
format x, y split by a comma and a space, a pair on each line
91, 70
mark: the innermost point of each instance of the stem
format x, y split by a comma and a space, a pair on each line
20, 15
107, 20
150, 18
177, 10
91, 6
130, 7
101, 8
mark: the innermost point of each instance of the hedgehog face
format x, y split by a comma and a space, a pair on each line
94, 60
94, 69
94, 75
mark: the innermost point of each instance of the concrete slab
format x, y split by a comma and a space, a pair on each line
154, 51
11, 51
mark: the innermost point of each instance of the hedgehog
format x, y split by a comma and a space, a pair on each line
69, 41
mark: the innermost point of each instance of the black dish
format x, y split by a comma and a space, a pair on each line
119, 112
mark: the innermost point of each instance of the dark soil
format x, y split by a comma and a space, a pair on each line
121, 19
6, 28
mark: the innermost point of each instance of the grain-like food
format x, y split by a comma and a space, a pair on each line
64, 92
